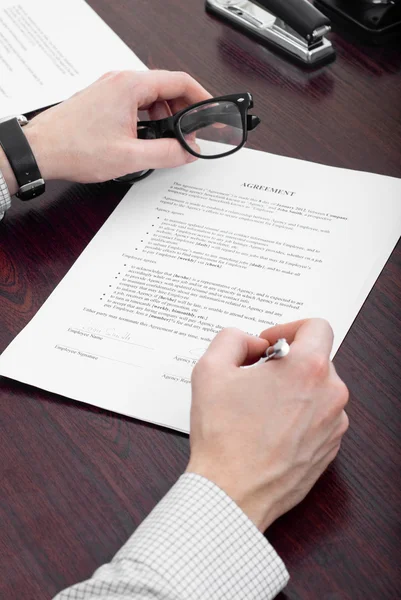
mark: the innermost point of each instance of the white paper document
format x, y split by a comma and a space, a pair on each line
249, 241
50, 49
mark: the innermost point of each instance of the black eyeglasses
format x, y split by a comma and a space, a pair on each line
220, 124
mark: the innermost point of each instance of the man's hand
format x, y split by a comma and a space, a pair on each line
92, 136
265, 434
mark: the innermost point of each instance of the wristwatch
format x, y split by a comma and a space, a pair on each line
20, 156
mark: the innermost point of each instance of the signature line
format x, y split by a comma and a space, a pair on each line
113, 338
98, 355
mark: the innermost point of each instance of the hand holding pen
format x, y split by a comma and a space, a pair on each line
265, 435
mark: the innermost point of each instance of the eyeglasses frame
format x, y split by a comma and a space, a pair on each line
169, 127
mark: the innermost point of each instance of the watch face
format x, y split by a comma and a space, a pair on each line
20, 118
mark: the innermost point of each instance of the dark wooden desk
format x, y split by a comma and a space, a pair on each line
76, 481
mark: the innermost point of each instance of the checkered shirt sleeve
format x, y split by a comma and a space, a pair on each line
5, 198
196, 544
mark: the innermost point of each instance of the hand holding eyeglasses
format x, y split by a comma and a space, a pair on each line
94, 136
222, 122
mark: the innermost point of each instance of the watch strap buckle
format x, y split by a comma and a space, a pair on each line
31, 190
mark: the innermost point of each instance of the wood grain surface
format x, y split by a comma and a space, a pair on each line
75, 480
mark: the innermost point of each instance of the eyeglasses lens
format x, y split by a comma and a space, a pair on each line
219, 122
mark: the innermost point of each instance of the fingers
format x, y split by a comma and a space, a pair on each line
309, 336
107, 75
158, 154
177, 105
287, 331
314, 337
152, 91
234, 347
165, 85
159, 110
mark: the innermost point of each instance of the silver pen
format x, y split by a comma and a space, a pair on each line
280, 349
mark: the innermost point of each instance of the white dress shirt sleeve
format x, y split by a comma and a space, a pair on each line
5, 198
196, 544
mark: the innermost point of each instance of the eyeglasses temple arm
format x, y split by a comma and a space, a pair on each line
146, 128
206, 120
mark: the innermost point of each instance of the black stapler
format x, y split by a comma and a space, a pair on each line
293, 27
373, 21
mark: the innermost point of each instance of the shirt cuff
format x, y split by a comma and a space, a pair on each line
204, 546
5, 198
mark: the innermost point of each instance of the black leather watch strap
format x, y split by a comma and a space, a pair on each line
20, 156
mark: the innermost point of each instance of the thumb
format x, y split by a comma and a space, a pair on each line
234, 347
160, 154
